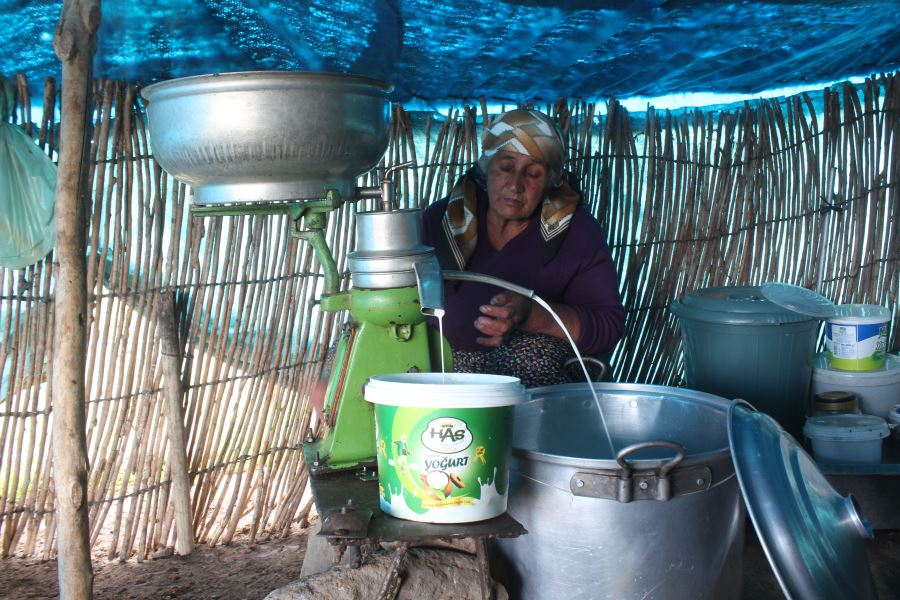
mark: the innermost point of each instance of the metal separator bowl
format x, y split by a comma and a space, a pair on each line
268, 136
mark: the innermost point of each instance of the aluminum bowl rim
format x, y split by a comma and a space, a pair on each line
232, 80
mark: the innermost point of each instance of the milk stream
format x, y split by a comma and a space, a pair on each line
491, 280
587, 376
440, 317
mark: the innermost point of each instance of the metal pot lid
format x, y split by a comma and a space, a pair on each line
799, 299
813, 537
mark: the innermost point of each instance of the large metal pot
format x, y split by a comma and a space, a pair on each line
267, 136
661, 519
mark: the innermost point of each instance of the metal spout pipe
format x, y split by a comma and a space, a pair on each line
480, 278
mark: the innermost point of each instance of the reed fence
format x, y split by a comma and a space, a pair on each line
792, 190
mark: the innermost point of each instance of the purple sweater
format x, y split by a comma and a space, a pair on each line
581, 276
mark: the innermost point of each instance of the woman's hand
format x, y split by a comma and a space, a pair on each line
506, 311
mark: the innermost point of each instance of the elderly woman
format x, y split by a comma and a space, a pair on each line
516, 216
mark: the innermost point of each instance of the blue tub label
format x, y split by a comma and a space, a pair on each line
857, 347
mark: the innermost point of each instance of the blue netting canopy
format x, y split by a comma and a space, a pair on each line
515, 50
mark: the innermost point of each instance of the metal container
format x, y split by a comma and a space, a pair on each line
388, 246
268, 136
661, 519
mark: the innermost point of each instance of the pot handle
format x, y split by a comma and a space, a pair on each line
601, 366
664, 485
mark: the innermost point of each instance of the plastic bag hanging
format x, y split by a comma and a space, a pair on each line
27, 194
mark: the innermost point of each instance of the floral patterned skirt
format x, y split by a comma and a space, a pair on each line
536, 359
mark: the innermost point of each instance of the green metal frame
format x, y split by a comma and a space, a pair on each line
387, 334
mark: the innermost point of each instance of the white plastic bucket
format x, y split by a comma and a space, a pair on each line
443, 444
856, 337
846, 438
878, 391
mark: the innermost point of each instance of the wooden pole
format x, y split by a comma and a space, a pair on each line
178, 466
75, 42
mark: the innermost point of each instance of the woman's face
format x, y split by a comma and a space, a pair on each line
516, 184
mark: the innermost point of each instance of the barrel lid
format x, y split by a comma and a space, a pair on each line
733, 305
798, 299
846, 428
813, 537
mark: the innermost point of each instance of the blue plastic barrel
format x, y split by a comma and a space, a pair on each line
737, 344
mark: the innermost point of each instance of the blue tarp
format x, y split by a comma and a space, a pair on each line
514, 50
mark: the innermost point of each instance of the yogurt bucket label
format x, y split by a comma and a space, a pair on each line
443, 444
856, 346
443, 465
447, 435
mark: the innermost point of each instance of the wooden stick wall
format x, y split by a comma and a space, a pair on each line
787, 190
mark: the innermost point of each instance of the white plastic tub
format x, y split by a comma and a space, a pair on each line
846, 438
878, 391
443, 444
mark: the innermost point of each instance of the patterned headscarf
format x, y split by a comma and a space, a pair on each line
525, 132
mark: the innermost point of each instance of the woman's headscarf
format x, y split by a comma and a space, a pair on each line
525, 132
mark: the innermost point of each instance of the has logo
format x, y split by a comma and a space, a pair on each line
447, 435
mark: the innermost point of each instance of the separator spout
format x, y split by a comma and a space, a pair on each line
430, 284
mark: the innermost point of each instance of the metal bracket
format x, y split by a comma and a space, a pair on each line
628, 484
347, 521
335, 302
318, 463
367, 474
644, 484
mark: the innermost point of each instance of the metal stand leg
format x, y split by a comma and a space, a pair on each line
392, 580
350, 556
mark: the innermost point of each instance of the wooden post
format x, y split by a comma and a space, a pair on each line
178, 466
75, 42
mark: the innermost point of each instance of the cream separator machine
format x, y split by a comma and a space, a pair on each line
295, 143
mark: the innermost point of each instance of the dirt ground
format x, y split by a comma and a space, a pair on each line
243, 572
238, 571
